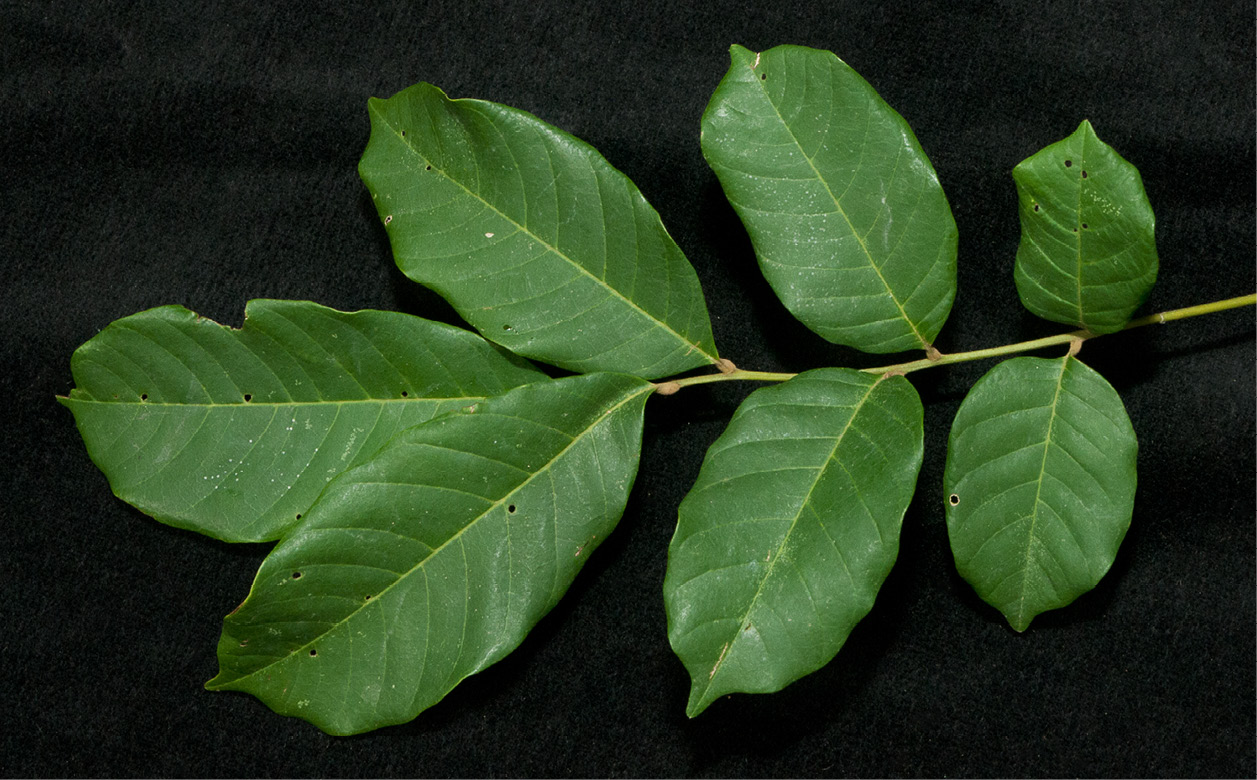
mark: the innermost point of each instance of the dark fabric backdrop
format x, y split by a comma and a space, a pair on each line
205, 154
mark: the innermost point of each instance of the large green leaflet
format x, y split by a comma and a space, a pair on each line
846, 214
533, 236
793, 524
233, 433
1088, 255
434, 558
1039, 484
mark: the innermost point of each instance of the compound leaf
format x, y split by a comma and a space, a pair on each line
434, 558
1088, 254
790, 529
1039, 484
532, 236
233, 433
846, 214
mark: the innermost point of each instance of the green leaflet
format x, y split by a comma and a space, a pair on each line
532, 236
434, 558
1039, 484
233, 433
790, 529
1088, 256
849, 223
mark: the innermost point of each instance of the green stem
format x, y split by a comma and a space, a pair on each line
1077, 336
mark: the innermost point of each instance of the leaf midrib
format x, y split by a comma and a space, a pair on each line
1082, 154
842, 212
420, 565
803, 505
690, 345
1034, 512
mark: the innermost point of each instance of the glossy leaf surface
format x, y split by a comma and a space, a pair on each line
790, 529
233, 433
1088, 256
1039, 484
532, 236
846, 214
434, 558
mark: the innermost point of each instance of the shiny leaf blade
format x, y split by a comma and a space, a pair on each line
790, 529
233, 433
1088, 253
848, 220
434, 558
532, 236
1039, 484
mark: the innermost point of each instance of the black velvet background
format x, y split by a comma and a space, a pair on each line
177, 153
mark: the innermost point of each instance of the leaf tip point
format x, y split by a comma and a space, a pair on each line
697, 702
1019, 624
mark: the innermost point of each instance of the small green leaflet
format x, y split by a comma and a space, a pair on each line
849, 222
1039, 484
233, 433
532, 236
793, 524
434, 558
1088, 256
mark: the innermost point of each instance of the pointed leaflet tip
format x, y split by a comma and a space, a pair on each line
1019, 622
